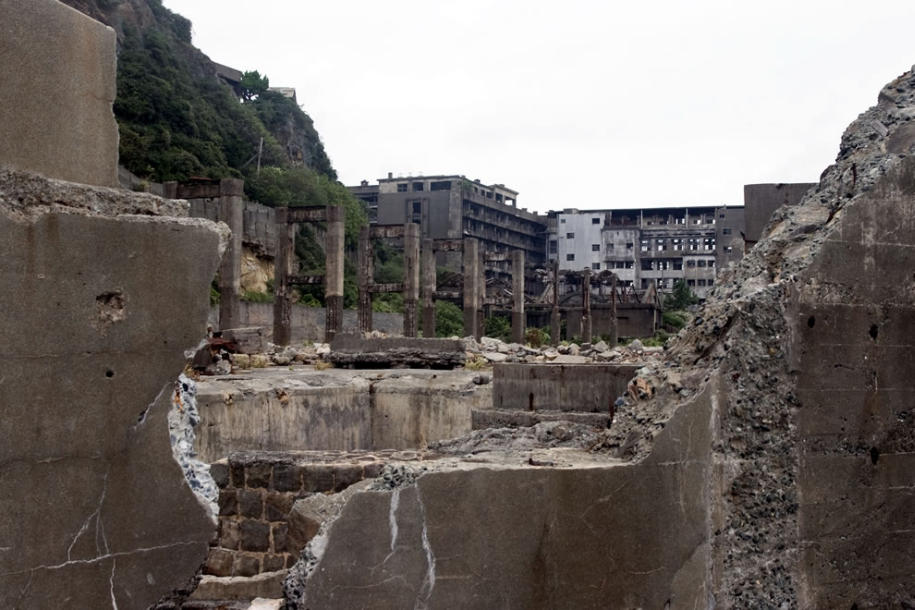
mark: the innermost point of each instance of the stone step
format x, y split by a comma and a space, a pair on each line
268, 585
510, 418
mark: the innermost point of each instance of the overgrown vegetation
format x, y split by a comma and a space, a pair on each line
680, 297
498, 327
449, 319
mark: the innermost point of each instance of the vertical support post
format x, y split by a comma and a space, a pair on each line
614, 336
231, 212
586, 306
365, 275
333, 276
481, 304
554, 317
472, 288
518, 321
411, 279
282, 267
428, 292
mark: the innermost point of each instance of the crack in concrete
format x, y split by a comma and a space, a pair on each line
114, 601
93, 515
94, 560
429, 580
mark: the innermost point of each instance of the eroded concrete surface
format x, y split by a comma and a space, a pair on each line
101, 299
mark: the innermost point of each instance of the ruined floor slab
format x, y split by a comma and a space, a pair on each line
96, 312
295, 408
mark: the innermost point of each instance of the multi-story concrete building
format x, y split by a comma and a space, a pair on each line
453, 207
642, 246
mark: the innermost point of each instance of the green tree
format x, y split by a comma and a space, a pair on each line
253, 85
681, 297
449, 319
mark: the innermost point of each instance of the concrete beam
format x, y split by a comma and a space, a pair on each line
231, 211
472, 289
518, 319
365, 272
334, 259
428, 288
282, 269
411, 270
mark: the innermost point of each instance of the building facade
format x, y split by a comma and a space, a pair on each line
453, 207
644, 246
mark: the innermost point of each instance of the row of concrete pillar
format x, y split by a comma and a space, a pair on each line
418, 287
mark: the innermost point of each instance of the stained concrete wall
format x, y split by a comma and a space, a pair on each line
590, 388
99, 304
853, 322
599, 535
334, 410
760, 200
56, 91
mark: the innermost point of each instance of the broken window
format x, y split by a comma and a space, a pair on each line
646, 264
570, 257
570, 235
677, 243
595, 247
690, 264
417, 186
644, 245
661, 244
700, 263
690, 282
553, 246
629, 245
595, 220
440, 186
629, 265
402, 188
595, 266
726, 231
678, 264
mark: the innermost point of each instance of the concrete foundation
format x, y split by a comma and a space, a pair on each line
588, 388
282, 410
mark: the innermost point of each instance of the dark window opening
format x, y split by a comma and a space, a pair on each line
402, 188
417, 186
440, 186
595, 247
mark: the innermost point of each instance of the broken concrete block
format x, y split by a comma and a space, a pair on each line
125, 524
395, 352
60, 54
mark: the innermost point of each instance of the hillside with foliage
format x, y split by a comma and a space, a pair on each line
178, 119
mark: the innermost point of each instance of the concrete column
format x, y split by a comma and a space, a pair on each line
231, 212
410, 279
282, 267
614, 335
554, 317
364, 276
518, 321
586, 306
428, 292
472, 288
333, 276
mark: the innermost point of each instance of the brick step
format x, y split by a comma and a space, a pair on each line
510, 418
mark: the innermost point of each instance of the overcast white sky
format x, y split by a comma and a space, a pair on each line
580, 103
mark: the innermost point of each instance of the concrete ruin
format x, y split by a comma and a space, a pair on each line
763, 464
104, 291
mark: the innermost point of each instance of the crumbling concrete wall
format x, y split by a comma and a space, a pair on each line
101, 297
491, 533
56, 91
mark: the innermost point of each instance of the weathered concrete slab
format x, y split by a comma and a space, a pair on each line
96, 313
56, 93
279, 409
396, 352
595, 535
589, 388
854, 332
